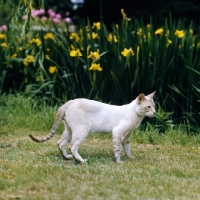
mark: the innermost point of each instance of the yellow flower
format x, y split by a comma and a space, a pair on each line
124, 15
37, 41
95, 66
112, 38
20, 48
122, 11
127, 52
28, 59
94, 35
72, 46
138, 50
88, 48
74, 53
159, 31
47, 57
191, 31
115, 38
53, 69
4, 45
2, 36
25, 63
180, 33
74, 36
149, 35
48, 49
148, 26
97, 25
49, 36
117, 26
94, 55
14, 55
139, 32
88, 35
168, 42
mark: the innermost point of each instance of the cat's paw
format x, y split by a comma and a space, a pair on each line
68, 157
83, 161
120, 161
130, 157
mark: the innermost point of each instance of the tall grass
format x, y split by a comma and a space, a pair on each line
17, 111
130, 57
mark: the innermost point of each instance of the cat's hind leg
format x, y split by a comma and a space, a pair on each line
66, 137
78, 136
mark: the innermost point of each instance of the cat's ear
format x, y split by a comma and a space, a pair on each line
140, 98
151, 95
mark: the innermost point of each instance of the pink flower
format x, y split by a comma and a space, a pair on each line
51, 13
58, 16
68, 20
67, 13
35, 13
43, 18
25, 17
4, 28
41, 11
56, 20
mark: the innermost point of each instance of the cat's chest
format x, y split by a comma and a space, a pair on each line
135, 121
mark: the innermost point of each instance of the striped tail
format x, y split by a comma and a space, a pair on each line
59, 116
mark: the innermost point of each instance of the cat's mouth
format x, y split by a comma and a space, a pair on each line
151, 115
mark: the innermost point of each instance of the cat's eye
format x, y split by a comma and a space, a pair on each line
148, 106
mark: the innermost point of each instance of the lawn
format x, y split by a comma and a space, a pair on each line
165, 166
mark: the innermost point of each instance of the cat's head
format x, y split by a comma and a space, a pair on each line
145, 105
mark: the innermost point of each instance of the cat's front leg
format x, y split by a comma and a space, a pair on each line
126, 146
117, 145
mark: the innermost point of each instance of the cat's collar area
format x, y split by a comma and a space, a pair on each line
138, 115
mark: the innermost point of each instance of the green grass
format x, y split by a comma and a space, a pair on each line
164, 166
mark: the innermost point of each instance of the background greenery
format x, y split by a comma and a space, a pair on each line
55, 59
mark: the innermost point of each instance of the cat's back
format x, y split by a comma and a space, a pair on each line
86, 103
82, 104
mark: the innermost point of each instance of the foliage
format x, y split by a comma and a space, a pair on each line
60, 61
163, 120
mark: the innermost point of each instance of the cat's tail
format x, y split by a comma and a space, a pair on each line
59, 116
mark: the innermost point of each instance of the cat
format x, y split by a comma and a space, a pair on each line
82, 116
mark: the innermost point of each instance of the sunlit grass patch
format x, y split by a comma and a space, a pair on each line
157, 171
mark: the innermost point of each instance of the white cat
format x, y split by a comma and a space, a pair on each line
82, 116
